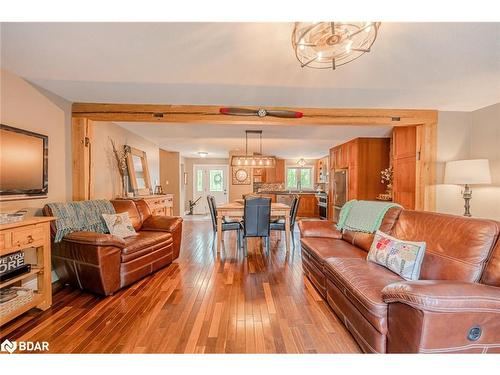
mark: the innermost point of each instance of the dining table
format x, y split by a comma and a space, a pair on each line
236, 209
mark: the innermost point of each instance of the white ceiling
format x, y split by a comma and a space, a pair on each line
446, 66
309, 142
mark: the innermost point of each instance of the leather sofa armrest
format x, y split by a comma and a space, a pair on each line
161, 223
444, 296
319, 228
442, 317
95, 239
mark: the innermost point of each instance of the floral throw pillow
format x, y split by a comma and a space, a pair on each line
119, 225
401, 257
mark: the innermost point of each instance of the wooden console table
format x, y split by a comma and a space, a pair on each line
159, 204
30, 233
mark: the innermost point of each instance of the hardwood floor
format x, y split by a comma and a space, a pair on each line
203, 303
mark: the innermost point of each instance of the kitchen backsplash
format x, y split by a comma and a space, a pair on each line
268, 187
261, 186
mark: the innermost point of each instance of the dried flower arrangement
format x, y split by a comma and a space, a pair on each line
121, 162
386, 179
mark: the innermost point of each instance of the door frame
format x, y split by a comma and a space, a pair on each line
86, 115
222, 166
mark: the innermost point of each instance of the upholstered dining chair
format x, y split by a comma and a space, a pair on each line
227, 225
256, 219
279, 225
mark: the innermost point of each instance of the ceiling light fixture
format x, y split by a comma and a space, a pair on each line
328, 45
301, 162
202, 154
255, 160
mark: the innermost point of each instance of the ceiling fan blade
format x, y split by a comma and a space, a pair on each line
285, 114
238, 111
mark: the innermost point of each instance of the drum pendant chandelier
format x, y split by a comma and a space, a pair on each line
328, 45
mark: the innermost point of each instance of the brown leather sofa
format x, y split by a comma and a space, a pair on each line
103, 264
454, 307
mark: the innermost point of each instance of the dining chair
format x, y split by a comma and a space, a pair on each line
256, 219
227, 225
280, 224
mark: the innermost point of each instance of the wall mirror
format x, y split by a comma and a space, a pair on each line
138, 171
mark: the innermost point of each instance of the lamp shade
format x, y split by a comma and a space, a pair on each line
467, 172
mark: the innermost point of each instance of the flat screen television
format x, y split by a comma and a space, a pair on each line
23, 163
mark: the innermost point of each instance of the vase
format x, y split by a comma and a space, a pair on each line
125, 186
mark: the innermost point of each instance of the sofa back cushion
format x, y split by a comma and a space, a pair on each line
143, 209
457, 247
128, 205
491, 274
364, 240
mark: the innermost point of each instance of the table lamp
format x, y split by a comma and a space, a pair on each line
467, 172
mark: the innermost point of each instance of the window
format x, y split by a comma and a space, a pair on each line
299, 178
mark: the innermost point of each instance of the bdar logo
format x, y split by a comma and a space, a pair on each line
8, 346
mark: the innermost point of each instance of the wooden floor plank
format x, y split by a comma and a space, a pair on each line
203, 303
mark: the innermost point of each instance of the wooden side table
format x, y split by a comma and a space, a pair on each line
30, 233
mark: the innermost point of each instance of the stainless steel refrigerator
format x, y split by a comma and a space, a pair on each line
339, 191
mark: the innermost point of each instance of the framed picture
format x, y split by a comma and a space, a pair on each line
241, 176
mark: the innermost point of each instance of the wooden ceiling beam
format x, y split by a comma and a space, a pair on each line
209, 114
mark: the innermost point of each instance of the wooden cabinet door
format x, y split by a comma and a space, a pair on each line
352, 153
333, 157
404, 182
279, 176
404, 165
404, 141
308, 206
352, 184
269, 175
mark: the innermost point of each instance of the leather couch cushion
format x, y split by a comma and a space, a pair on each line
457, 247
127, 205
324, 248
362, 283
143, 243
491, 274
364, 240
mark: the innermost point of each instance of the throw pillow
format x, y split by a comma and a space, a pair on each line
119, 225
401, 257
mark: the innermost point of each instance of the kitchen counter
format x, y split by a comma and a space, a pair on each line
308, 206
288, 193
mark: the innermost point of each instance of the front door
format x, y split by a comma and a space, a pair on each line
209, 180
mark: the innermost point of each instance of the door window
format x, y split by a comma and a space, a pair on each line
199, 180
216, 180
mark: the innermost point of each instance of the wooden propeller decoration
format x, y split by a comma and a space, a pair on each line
260, 112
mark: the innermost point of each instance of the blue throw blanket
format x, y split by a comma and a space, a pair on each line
80, 216
363, 216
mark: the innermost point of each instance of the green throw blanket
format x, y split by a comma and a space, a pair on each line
363, 216
80, 216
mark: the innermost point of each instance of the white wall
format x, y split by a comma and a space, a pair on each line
25, 106
469, 135
107, 182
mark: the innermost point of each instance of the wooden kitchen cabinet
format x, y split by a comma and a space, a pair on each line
332, 159
274, 175
280, 171
404, 155
308, 206
364, 159
322, 170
